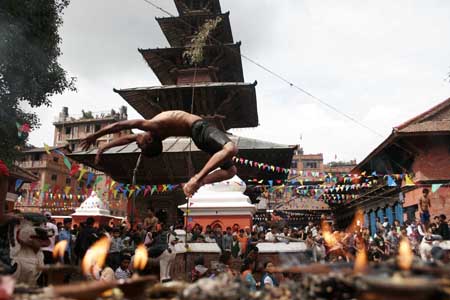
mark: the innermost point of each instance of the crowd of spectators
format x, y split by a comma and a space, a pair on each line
323, 243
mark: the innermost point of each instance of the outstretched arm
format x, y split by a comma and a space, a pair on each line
124, 140
116, 127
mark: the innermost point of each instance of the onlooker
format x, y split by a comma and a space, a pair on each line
123, 271
267, 279
443, 228
227, 240
115, 249
235, 248
243, 239
53, 232
66, 235
88, 235
151, 221
424, 206
246, 273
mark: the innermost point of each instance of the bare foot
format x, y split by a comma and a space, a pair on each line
192, 186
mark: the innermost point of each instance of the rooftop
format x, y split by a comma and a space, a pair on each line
436, 120
42, 149
198, 6
234, 102
167, 62
180, 30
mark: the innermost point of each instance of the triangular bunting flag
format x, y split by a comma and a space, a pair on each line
435, 187
408, 181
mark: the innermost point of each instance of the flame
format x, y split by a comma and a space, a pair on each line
140, 257
60, 248
95, 256
358, 220
405, 255
360, 261
329, 238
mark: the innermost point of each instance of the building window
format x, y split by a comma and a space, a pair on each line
72, 147
54, 177
310, 165
88, 128
68, 130
97, 127
294, 164
55, 159
68, 180
36, 156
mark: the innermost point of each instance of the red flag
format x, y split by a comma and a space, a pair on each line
74, 170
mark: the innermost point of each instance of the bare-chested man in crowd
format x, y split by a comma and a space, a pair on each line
176, 123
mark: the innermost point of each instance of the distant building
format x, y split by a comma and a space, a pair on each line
71, 130
53, 175
338, 168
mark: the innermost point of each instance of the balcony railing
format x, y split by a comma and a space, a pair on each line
29, 164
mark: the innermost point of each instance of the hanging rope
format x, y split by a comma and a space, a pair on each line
191, 170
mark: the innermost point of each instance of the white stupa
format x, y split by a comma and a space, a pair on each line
93, 206
221, 203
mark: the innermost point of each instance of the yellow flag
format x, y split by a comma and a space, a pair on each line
115, 193
67, 190
112, 184
408, 181
131, 193
82, 172
47, 148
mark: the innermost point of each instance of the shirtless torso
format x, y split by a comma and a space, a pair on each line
172, 123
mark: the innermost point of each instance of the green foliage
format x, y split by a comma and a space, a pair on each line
29, 71
86, 114
194, 53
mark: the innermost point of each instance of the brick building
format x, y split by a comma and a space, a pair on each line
419, 147
53, 175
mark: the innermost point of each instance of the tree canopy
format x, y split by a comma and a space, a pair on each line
29, 70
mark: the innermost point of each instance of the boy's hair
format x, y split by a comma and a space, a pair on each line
154, 148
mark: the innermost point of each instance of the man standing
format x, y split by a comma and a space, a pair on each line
150, 221
53, 233
424, 206
66, 235
227, 240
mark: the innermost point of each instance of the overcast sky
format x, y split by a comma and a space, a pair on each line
380, 61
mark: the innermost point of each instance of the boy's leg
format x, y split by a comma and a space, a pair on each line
219, 158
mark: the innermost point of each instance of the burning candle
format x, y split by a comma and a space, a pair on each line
405, 255
59, 250
140, 258
95, 257
360, 261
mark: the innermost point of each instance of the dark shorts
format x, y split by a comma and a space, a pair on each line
425, 217
210, 139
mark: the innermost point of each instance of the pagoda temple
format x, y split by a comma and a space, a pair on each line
220, 95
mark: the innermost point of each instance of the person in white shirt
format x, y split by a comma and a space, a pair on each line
123, 271
270, 235
53, 232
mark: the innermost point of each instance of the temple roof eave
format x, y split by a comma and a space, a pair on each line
234, 101
172, 165
179, 30
166, 62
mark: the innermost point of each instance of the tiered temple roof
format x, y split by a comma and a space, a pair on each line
167, 63
220, 96
197, 6
179, 31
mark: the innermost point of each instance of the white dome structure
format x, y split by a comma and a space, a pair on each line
224, 201
93, 206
